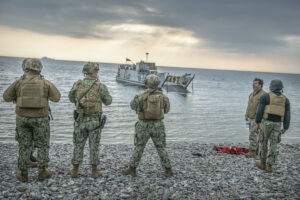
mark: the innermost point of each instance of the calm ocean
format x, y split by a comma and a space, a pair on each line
212, 113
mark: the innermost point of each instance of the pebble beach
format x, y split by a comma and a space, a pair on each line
199, 173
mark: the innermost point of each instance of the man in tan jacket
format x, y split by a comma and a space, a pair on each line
31, 93
251, 113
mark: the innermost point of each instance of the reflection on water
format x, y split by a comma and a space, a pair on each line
212, 113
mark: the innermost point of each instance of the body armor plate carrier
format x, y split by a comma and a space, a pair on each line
33, 93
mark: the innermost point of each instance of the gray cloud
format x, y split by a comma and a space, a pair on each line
234, 25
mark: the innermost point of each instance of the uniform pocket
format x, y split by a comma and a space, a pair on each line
140, 133
279, 138
261, 136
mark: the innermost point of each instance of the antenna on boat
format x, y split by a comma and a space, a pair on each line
147, 54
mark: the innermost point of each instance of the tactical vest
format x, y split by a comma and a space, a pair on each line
152, 106
276, 106
90, 103
32, 93
253, 103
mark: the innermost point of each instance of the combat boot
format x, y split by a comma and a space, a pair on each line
261, 165
168, 172
32, 164
95, 173
130, 171
44, 174
74, 171
269, 168
22, 176
32, 158
251, 154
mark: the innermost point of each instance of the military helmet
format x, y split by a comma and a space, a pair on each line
90, 68
32, 64
152, 81
276, 85
24, 63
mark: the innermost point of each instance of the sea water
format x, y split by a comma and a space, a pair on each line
212, 113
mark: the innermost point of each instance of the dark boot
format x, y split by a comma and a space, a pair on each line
95, 173
74, 171
22, 176
168, 172
32, 158
32, 164
44, 174
130, 171
261, 165
269, 168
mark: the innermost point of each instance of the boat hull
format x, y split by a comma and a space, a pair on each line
131, 82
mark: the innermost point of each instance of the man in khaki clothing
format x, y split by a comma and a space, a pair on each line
31, 93
250, 115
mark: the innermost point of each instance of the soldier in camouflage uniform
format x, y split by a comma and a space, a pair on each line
32, 160
150, 106
250, 115
88, 95
273, 109
31, 93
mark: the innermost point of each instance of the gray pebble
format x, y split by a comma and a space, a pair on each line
214, 176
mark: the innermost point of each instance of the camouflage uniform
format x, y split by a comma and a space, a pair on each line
32, 124
33, 132
88, 126
250, 113
273, 109
150, 106
145, 129
270, 132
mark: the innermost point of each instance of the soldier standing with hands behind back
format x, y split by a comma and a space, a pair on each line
31, 93
150, 107
250, 115
88, 95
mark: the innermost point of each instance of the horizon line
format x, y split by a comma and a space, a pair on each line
159, 65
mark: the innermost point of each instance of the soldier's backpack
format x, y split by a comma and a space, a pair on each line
33, 93
153, 107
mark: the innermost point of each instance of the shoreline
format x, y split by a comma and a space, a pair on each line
210, 175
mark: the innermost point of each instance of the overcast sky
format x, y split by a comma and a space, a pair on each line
253, 35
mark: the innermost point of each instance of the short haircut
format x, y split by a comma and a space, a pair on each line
260, 81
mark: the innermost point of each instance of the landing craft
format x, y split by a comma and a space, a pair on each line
135, 74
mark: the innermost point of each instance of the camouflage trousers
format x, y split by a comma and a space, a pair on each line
253, 137
269, 137
86, 128
143, 132
30, 133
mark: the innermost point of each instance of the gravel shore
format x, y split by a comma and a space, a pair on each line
208, 175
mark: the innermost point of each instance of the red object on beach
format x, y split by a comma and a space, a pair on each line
232, 150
